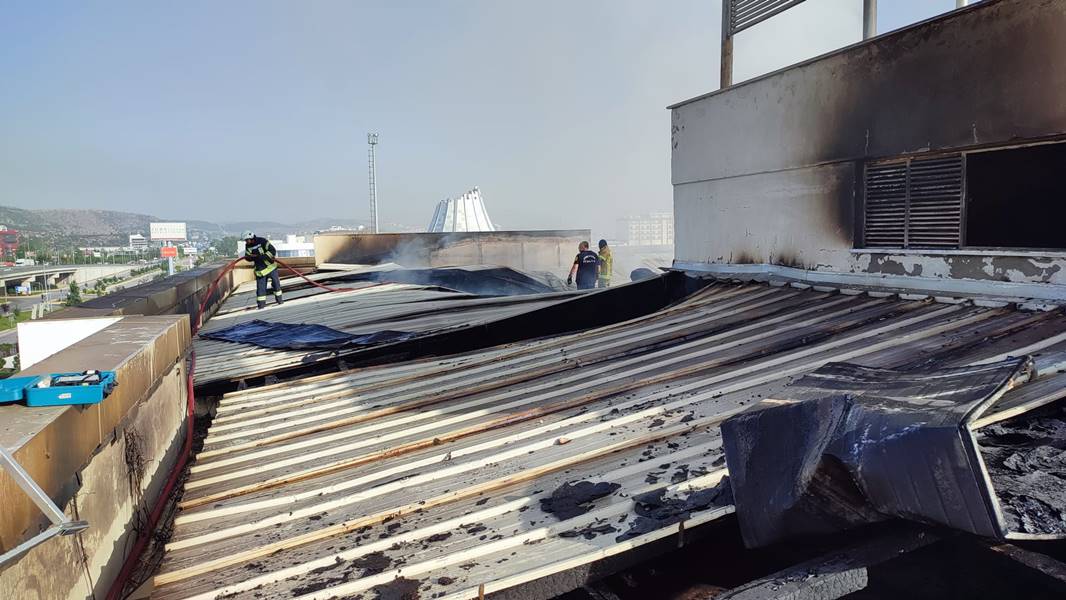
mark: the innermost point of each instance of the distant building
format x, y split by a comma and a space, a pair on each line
138, 242
9, 242
465, 213
653, 229
294, 245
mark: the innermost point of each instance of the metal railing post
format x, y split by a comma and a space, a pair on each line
726, 79
61, 524
869, 19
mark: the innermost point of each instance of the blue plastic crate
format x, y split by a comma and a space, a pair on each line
14, 389
59, 395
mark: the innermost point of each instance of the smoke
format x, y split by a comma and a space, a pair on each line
538, 258
410, 255
434, 250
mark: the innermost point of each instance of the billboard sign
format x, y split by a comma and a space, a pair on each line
167, 232
168, 252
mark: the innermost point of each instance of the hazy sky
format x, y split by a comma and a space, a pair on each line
259, 110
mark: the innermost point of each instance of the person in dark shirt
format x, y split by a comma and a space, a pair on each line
586, 266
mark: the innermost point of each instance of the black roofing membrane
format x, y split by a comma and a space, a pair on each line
855, 445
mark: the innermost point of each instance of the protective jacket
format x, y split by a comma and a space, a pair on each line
261, 252
606, 265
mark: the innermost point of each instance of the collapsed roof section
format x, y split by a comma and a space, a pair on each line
445, 476
365, 308
440, 321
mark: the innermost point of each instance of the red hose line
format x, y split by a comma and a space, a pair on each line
115, 592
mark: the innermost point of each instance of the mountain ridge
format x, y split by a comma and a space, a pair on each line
96, 227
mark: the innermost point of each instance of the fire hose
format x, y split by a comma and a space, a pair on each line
132, 559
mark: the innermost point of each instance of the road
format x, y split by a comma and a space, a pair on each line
138, 280
27, 302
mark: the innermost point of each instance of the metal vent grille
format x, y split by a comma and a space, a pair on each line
935, 212
914, 203
746, 13
886, 205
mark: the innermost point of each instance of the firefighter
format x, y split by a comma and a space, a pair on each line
586, 266
606, 265
261, 253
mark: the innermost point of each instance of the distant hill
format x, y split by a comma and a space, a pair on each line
91, 227
22, 219
87, 227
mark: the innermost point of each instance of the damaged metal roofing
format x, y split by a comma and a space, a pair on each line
437, 476
366, 308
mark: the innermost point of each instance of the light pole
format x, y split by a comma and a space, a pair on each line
372, 141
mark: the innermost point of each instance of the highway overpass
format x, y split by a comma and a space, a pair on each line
57, 276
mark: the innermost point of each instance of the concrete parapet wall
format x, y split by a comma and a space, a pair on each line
180, 293
105, 463
97, 461
522, 250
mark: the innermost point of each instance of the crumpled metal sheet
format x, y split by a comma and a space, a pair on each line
288, 336
852, 445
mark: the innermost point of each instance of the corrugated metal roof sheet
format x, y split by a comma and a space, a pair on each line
366, 309
433, 471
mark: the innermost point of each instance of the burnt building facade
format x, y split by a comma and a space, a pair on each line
931, 157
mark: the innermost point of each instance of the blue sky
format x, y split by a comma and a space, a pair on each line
259, 109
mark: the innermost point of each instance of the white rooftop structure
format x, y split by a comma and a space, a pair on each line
465, 213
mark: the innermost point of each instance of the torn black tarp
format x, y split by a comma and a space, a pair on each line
289, 336
851, 445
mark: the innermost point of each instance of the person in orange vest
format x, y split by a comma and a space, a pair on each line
262, 254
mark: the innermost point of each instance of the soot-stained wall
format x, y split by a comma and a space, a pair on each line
769, 171
523, 250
